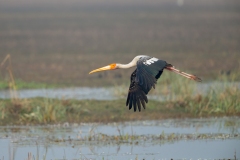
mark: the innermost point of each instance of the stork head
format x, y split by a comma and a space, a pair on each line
108, 67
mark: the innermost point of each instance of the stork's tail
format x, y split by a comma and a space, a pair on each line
190, 76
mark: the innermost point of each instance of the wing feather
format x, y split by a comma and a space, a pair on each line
130, 103
134, 103
143, 103
138, 104
143, 79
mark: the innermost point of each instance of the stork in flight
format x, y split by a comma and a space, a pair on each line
144, 78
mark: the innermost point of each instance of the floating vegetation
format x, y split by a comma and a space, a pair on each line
139, 139
104, 139
113, 133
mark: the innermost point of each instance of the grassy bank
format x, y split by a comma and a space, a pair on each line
182, 98
45, 111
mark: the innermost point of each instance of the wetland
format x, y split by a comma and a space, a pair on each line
50, 108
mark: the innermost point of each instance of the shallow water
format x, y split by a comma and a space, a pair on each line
78, 93
184, 138
81, 93
63, 93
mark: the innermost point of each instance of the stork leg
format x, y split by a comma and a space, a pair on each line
190, 76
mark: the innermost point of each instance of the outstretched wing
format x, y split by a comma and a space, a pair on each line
136, 96
143, 79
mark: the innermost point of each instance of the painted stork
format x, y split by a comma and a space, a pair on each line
144, 78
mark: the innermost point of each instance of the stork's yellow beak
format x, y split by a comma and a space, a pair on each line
109, 67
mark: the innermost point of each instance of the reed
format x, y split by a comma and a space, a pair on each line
224, 99
221, 95
11, 81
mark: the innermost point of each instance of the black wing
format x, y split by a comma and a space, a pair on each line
136, 96
142, 80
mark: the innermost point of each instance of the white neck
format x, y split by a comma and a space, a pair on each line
125, 66
129, 65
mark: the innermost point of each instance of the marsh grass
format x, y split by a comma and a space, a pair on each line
10, 80
44, 112
48, 111
182, 100
223, 100
220, 96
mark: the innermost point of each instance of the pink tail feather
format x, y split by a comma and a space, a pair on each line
190, 76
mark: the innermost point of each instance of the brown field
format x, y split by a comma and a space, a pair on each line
59, 43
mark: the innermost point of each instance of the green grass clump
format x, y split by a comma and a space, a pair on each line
28, 111
45, 112
224, 101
